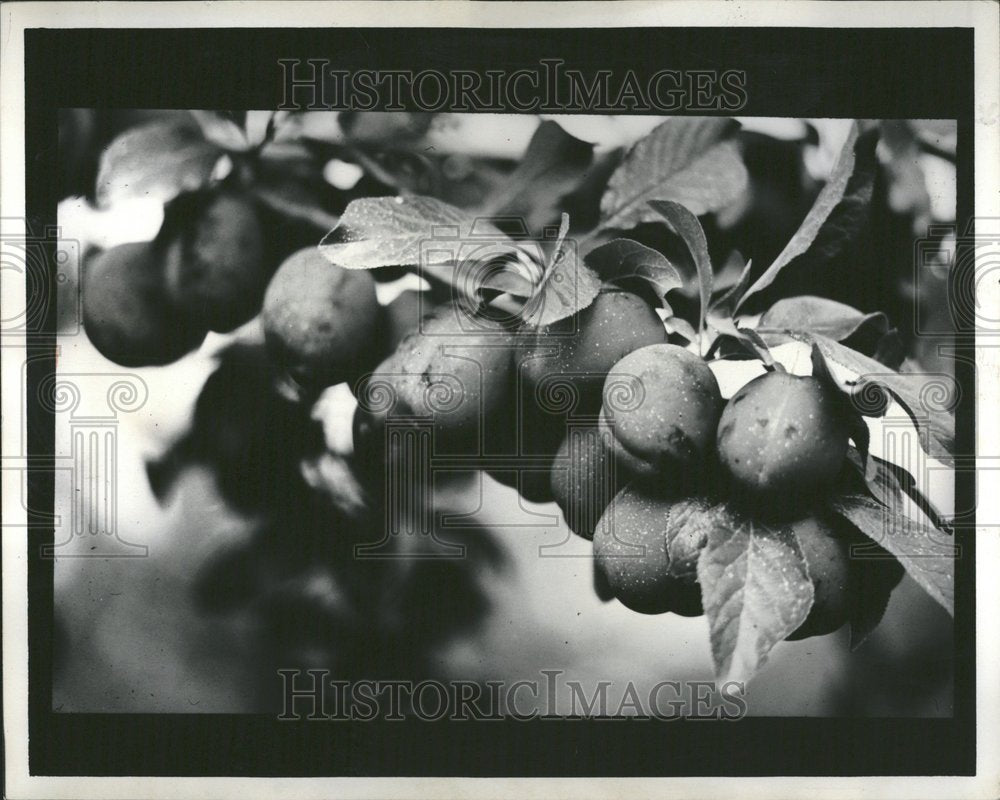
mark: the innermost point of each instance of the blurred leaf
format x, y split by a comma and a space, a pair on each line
621, 259
836, 216
554, 164
157, 161
686, 225
567, 286
907, 184
690, 160
396, 231
384, 127
755, 590
927, 554
224, 129
939, 136
296, 201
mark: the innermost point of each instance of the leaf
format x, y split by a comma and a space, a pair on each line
725, 305
621, 259
690, 160
157, 161
927, 554
567, 286
835, 216
396, 231
818, 315
755, 590
681, 326
874, 384
686, 225
554, 164
223, 129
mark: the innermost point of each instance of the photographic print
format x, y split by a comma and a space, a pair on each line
412, 411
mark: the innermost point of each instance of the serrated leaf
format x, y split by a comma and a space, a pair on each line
755, 590
554, 164
156, 161
690, 160
566, 287
837, 321
835, 216
686, 225
875, 384
411, 231
927, 554
621, 259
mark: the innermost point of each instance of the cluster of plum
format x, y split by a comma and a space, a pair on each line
149, 303
626, 431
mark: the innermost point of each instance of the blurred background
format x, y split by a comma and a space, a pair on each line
248, 564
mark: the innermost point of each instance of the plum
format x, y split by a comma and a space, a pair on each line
126, 313
586, 345
320, 320
828, 560
562, 366
585, 477
647, 545
662, 403
214, 257
843, 583
453, 375
782, 438
402, 316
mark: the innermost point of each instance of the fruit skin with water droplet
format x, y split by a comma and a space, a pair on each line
126, 313
828, 561
849, 573
447, 378
214, 257
782, 439
320, 320
588, 344
647, 545
662, 403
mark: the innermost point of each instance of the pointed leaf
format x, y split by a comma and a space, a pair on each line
157, 161
725, 306
686, 225
836, 215
926, 553
567, 286
829, 318
872, 384
755, 590
690, 160
396, 231
621, 259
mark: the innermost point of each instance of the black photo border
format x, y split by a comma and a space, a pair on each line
801, 72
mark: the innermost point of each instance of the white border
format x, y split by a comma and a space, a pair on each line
983, 16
